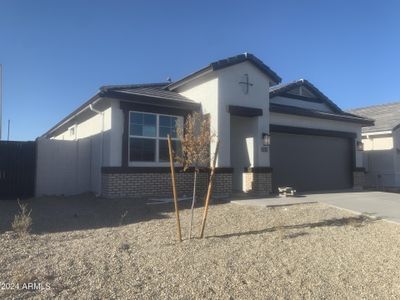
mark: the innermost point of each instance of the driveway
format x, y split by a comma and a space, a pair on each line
377, 204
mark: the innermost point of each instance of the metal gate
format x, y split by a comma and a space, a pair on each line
17, 169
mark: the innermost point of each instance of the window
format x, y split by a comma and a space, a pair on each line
148, 136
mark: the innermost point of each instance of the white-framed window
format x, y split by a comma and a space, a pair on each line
148, 133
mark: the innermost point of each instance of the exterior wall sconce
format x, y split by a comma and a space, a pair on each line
360, 146
266, 138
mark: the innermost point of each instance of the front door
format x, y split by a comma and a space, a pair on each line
242, 148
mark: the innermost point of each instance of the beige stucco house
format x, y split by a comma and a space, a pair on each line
271, 134
382, 144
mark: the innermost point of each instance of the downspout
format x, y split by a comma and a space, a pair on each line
102, 139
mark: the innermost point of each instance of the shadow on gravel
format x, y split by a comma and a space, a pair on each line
357, 221
60, 214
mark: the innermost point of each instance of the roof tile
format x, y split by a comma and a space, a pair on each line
387, 116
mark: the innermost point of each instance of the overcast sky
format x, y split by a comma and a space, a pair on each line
56, 54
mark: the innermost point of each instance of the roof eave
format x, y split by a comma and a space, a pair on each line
313, 88
284, 109
189, 78
75, 113
377, 132
149, 100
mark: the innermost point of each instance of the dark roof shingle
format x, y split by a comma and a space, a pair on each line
155, 90
346, 117
224, 63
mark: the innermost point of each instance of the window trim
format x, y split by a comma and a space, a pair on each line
157, 138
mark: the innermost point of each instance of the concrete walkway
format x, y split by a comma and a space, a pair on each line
377, 204
274, 201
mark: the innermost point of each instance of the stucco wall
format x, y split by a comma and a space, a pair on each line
205, 91
86, 126
221, 88
231, 93
300, 121
90, 124
116, 132
372, 143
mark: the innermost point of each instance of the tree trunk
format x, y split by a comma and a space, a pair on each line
193, 202
209, 190
171, 161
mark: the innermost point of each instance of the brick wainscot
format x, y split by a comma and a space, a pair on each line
156, 182
358, 178
258, 180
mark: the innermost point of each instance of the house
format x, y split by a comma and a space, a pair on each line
271, 134
382, 144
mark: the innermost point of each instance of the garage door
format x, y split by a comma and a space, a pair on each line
311, 162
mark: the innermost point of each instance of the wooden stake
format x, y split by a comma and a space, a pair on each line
171, 161
209, 190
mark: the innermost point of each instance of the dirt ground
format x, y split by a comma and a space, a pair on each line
88, 248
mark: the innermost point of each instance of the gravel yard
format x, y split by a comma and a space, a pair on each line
301, 251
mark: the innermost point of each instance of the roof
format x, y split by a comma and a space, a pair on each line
387, 116
281, 89
343, 116
151, 91
155, 90
227, 62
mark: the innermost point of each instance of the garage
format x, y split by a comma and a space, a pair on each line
311, 160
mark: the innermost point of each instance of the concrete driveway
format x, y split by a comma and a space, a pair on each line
376, 204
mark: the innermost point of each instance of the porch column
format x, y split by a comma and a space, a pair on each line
261, 152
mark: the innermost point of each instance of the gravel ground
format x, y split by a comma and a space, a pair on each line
295, 252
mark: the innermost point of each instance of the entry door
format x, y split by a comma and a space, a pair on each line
242, 148
310, 162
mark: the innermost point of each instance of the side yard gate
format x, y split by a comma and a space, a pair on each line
17, 169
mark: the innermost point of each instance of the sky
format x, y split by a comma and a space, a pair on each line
57, 53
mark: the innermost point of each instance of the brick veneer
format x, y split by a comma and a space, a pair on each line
359, 178
156, 182
258, 180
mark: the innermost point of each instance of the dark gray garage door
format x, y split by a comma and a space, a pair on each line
311, 162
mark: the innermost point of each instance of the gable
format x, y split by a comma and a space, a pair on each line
305, 95
301, 103
302, 91
244, 85
227, 63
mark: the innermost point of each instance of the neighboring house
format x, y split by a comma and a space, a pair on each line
382, 144
270, 135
